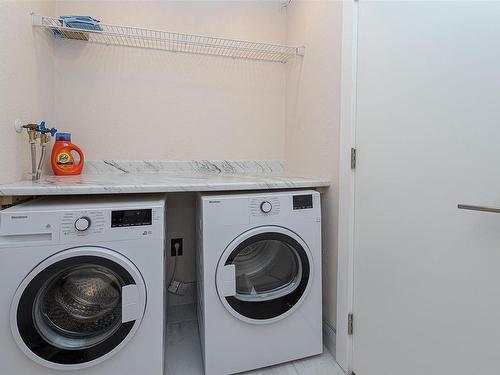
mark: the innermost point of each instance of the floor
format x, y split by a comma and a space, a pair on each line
183, 344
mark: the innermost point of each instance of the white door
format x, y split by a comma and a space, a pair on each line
427, 274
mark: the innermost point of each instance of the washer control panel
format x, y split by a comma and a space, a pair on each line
82, 223
83, 220
265, 206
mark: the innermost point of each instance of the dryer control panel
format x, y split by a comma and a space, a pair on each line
261, 208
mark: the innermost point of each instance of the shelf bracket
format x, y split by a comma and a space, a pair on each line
36, 20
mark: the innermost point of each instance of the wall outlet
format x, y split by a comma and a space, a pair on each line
178, 287
174, 285
176, 247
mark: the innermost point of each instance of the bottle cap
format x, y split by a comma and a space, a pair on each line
63, 137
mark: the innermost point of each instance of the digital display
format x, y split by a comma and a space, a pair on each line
301, 202
131, 218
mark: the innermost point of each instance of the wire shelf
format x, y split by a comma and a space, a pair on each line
169, 41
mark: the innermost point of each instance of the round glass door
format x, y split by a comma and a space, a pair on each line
70, 310
264, 275
79, 307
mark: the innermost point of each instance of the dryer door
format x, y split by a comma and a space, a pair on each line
78, 307
264, 274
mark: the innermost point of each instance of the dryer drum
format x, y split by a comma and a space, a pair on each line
266, 269
272, 273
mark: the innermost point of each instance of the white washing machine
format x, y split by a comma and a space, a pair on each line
259, 272
82, 286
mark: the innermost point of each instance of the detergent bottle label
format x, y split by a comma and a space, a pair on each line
64, 159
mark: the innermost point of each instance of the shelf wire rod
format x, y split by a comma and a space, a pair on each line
109, 41
175, 43
248, 45
164, 40
253, 55
264, 53
227, 49
219, 45
112, 39
158, 40
199, 48
135, 38
119, 39
143, 38
162, 43
271, 53
258, 54
148, 35
152, 42
105, 38
202, 49
277, 54
182, 40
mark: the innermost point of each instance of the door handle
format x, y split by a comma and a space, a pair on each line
228, 280
478, 208
131, 309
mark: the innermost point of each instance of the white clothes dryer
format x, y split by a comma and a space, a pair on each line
259, 271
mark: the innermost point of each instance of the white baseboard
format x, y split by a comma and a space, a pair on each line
329, 338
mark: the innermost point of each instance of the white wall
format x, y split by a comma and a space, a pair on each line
26, 78
313, 117
127, 103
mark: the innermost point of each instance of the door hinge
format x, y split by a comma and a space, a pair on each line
350, 319
353, 158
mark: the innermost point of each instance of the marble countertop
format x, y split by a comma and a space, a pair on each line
114, 177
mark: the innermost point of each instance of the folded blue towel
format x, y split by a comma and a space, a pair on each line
79, 22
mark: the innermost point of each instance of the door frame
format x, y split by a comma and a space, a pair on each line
345, 274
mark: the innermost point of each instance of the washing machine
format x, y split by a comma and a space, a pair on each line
82, 286
259, 279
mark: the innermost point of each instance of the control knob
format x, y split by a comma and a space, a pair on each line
82, 223
266, 207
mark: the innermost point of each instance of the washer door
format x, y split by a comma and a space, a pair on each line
264, 274
78, 307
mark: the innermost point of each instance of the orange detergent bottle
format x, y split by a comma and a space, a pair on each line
63, 160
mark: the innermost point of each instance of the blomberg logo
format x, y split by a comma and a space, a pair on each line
19, 217
213, 201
